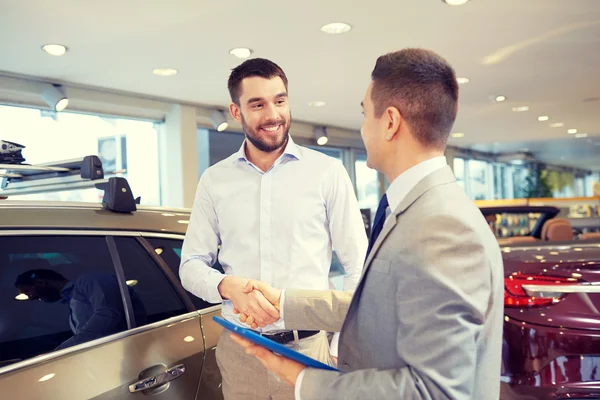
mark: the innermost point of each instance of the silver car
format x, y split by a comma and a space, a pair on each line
91, 306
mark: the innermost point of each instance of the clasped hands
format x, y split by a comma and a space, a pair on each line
256, 302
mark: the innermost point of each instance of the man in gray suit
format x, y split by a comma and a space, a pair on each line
425, 321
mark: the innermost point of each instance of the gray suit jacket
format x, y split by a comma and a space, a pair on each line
425, 321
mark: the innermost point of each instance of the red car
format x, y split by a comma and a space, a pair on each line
551, 341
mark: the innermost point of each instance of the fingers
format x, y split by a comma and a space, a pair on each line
249, 287
266, 306
236, 311
241, 341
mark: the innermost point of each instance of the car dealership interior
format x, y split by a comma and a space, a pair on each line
143, 87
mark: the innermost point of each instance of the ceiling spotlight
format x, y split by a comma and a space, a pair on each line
55, 97
165, 71
500, 98
131, 282
320, 133
557, 125
543, 118
335, 28
240, 52
22, 297
219, 120
458, 135
55, 49
462, 80
520, 109
581, 135
455, 2
317, 104
572, 131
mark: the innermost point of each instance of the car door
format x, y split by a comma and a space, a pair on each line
168, 247
46, 352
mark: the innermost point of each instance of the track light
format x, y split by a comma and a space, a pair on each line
219, 120
55, 97
321, 135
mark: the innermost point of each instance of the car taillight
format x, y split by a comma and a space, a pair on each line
516, 296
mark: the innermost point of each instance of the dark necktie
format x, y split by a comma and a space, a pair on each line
379, 221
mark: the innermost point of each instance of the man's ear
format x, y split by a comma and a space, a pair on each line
235, 112
394, 121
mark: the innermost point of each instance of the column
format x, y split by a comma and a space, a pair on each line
178, 152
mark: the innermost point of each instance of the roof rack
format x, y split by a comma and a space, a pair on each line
83, 173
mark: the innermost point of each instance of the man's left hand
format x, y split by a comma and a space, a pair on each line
285, 368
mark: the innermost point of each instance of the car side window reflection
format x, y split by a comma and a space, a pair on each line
170, 251
55, 292
155, 299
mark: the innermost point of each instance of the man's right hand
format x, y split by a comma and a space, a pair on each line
249, 302
272, 294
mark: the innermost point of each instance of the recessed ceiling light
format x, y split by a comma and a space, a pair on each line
543, 118
581, 135
55, 49
455, 2
240, 52
572, 131
317, 104
557, 125
131, 282
188, 339
165, 71
462, 80
520, 109
458, 135
22, 297
500, 98
335, 28
184, 221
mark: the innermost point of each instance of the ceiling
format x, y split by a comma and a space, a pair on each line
544, 54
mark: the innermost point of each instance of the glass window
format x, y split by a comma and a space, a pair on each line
367, 186
478, 180
154, 298
170, 251
459, 171
78, 290
330, 151
122, 145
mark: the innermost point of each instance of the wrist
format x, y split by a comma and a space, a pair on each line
224, 288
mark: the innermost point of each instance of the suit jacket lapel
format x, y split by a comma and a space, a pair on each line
439, 177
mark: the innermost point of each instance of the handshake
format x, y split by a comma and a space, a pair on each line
256, 302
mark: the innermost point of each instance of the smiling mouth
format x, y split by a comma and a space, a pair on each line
271, 129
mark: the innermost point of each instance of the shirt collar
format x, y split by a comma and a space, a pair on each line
67, 292
291, 149
404, 183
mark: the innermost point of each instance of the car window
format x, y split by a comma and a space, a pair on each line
154, 298
170, 251
55, 292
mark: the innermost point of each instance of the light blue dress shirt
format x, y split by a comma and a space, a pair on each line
278, 226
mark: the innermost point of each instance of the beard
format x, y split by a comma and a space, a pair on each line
265, 143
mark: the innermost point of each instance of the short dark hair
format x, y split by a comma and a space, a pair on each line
423, 87
27, 278
260, 67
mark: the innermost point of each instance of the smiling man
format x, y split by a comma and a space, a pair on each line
273, 211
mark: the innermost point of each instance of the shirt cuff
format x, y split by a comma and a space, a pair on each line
298, 384
333, 347
211, 282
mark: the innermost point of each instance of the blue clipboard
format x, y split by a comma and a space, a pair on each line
275, 347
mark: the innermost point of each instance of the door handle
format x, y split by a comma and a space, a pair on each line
158, 380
